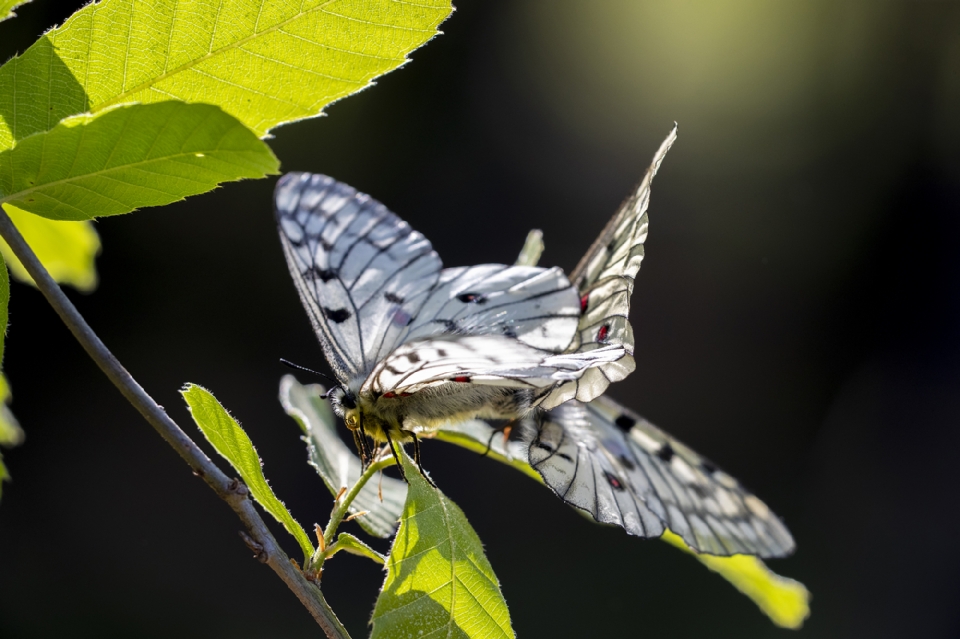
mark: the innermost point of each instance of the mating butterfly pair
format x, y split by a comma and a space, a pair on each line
415, 346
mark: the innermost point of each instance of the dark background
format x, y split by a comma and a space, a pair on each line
797, 320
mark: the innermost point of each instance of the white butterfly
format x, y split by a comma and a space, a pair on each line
418, 348
413, 345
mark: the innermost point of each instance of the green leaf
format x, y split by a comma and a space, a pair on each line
785, 601
348, 543
7, 7
230, 440
129, 157
265, 63
532, 249
337, 464
67, 250
439, 582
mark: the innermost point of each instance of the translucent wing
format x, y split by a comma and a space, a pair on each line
605, 278
496, 360
362, 272
621, 469
537, 306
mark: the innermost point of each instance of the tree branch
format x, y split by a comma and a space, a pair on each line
230, 490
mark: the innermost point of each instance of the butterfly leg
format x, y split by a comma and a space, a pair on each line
361, 448
393, 450
505, 429
416, 455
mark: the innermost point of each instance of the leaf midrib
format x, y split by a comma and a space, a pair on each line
105, 173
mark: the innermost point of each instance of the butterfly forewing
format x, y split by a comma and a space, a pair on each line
605, 279
536, 306
362, 272
610, 462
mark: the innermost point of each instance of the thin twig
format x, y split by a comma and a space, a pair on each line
231, 491
340, 508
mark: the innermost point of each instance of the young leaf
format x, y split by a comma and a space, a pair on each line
66, 249
230, 440
439, 583
532, 249
336, 464
129, 157
265, 63
785, 601
7, 7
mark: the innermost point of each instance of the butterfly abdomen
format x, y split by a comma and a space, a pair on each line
433, 407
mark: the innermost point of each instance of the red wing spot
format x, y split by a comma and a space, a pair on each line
461, 378
613, 481
583, 303
389, 395
603, 332
405, 394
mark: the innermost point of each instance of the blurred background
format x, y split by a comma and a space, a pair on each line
797, 320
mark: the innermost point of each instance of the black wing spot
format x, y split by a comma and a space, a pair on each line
441, 352
323, 274
625, 462
393, 370
708, 467
472, 298
300, 241
613, 480
666, 452
625, 422
611, 247
509, 332
448, 325
565, 456
392, 297
413, 357
702, 492
337, 315
545, 447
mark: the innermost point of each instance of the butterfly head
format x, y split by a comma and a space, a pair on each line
344, 404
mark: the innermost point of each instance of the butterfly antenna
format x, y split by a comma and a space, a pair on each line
298, 367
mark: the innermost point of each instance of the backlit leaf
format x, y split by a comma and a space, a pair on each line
264, 62
439, 583
66, 249
7, 7
230, 440
128, 157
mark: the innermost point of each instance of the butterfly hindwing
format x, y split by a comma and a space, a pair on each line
362, 272
492, 360
605, 279
612, 463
